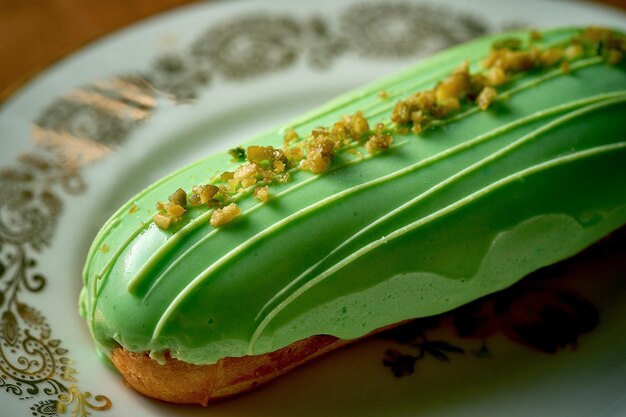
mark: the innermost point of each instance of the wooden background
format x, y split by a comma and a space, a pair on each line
35, 33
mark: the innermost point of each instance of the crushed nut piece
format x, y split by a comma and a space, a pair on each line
283, 178
551, 56
163, 221
447, 105
179, 197
258, 154
319, 154
294, 154
574, 51
419, 108
194, 200
237, 153
359, 125
225, 176
201, 194
486, 97
377, 143
290, 136
401, 113
496, 76
224, 215
247, 182
262, 194
279, 166
246, 171
351, 126
455, 85
315, 162
510, 60
175, 210
222, 193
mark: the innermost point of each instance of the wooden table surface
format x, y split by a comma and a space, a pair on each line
36, 33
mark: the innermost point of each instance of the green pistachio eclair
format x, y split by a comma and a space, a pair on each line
465, 208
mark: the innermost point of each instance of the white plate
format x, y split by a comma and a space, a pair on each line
89, 132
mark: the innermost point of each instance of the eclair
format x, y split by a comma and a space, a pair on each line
402, 199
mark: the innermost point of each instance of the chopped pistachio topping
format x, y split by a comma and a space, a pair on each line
175, 210
225, 176
377, 143
574, 51
262, 166
507, 57
603, 42
290, 136
202, 194
170, 212
486, 97
179, 197
162, 220
262, 194
422, 107
319, 152
224, 215
237, 153
266, 165
495, 76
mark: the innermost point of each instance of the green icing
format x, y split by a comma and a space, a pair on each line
440, 219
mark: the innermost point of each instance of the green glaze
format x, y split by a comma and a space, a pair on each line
443, 218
